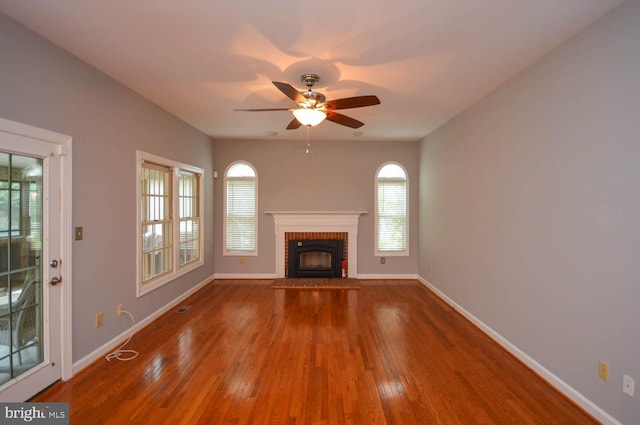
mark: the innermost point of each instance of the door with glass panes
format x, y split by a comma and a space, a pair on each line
30, 266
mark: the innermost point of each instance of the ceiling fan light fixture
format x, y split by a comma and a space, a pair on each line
309, 117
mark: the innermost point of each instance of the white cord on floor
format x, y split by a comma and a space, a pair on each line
119, 352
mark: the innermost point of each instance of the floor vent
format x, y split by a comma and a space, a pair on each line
183, 309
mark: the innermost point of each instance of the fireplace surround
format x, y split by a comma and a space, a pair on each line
316, 221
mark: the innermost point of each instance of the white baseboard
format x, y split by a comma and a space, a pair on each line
244, 276
547, 375
109, 346
387, 276
231, 276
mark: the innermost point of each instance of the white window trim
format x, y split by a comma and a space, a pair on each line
226, 252
405, 251
176, 269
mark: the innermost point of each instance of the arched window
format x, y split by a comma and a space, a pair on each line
391, 210
240, 209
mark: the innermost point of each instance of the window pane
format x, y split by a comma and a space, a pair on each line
241, 234
34, 212
189, 221
391, 233
392, 198
391, 171
11, 199
189, 241
156, 220
241, 170
156, 194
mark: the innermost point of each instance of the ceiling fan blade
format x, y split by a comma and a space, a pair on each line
262, 109
352, 102
294, 124
343, 120
290, 92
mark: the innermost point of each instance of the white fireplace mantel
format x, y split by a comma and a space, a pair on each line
317, 221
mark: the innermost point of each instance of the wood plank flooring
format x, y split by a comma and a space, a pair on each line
390, 353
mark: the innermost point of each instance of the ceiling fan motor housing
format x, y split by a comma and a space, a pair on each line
313, 97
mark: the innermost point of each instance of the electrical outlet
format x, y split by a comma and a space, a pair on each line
383, 260
603, 370
99, 320
429, 268
120, 309
241, 260
628, 385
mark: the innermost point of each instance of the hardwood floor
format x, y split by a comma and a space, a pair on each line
389, 353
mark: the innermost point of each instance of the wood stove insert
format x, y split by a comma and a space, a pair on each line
315, 257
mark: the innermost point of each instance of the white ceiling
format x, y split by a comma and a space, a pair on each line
426, 60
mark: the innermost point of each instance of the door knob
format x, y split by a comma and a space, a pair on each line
55, 280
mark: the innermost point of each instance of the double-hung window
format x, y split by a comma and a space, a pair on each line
240, 207
169, 226
391, 211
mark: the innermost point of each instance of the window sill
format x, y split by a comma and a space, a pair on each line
404, 253
240, 254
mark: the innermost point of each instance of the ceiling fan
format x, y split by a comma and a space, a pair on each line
313, 108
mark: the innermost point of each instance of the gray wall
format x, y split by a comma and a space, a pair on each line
530, 210
335, 176
43, 86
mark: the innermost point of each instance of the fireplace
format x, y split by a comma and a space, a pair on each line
315, 257
316, 221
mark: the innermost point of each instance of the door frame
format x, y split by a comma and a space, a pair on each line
64, 150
